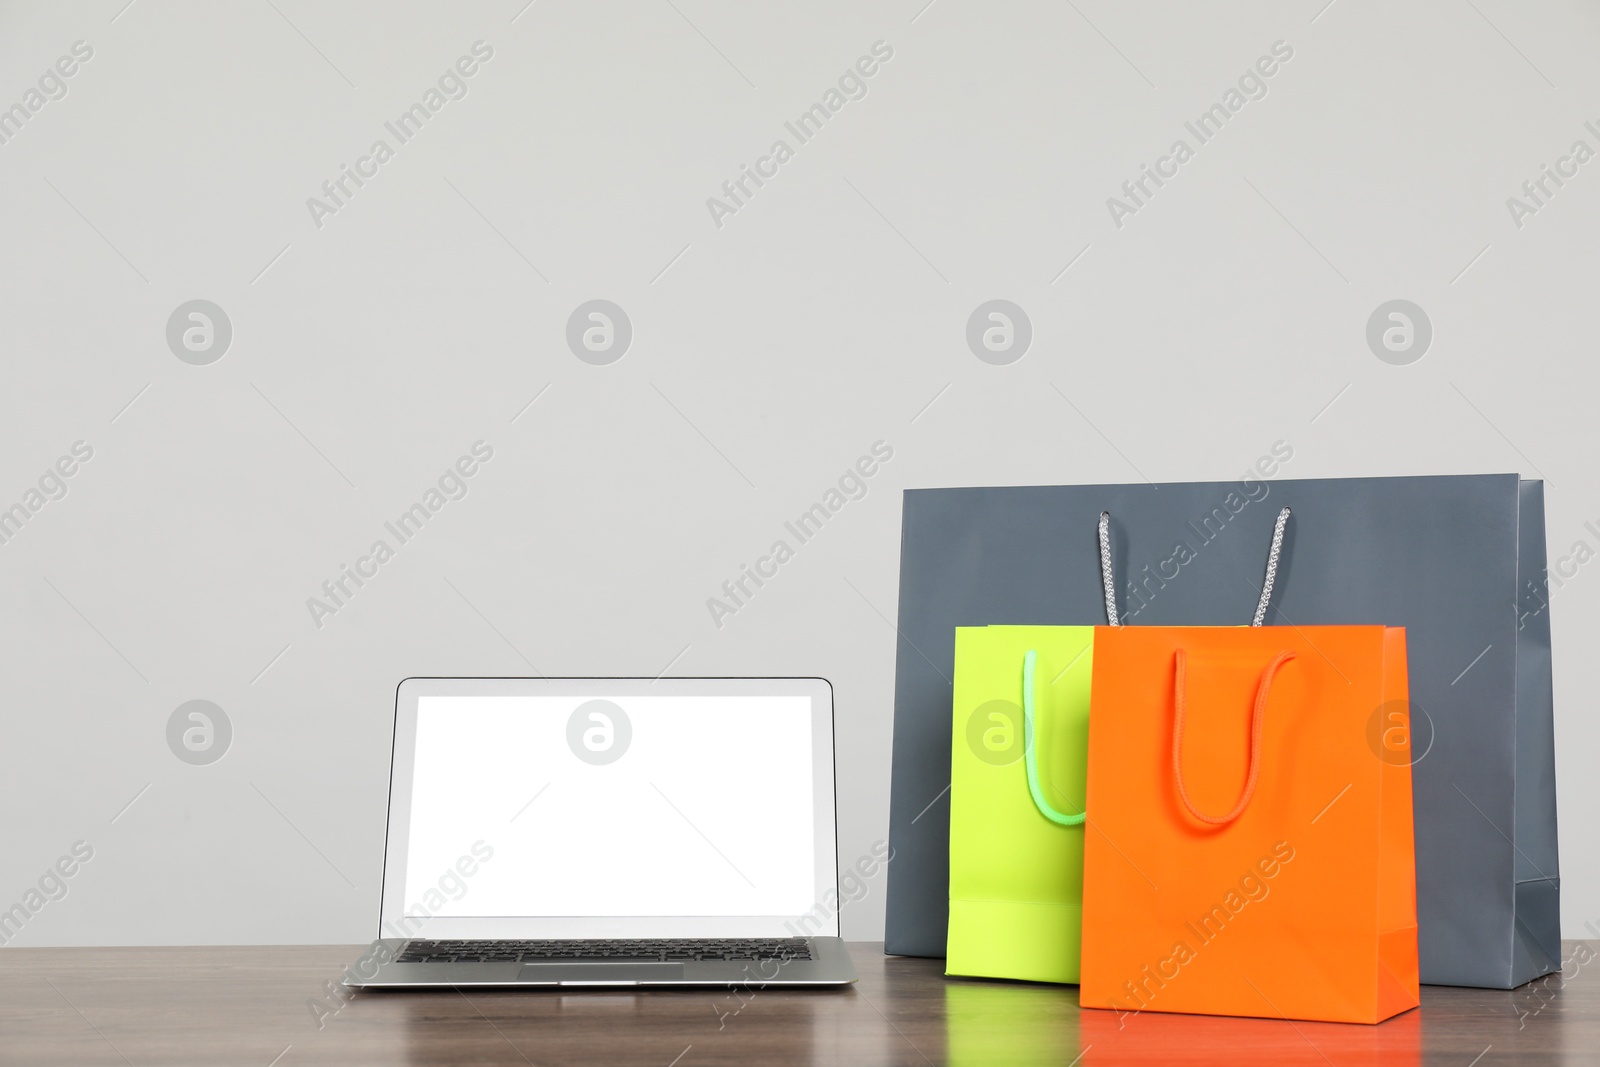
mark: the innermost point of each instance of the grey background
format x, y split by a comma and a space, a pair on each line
767, 356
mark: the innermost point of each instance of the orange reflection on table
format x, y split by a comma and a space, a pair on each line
1113, 1037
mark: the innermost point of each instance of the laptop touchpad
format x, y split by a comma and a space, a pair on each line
599, 973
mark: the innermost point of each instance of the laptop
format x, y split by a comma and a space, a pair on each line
601, 832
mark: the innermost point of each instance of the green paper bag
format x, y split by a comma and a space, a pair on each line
1017, 769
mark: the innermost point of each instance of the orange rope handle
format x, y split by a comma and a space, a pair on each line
1257, 720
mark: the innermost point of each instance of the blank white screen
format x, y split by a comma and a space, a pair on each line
707, 812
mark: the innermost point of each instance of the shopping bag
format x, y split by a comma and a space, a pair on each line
1249, 846
1439, 556
1018, 750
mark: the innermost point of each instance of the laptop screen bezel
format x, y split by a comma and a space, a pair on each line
821, 920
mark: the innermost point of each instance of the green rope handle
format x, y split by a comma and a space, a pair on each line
1039, 801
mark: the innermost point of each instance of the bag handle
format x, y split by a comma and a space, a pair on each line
1114, 619
1262, 689
1044, 806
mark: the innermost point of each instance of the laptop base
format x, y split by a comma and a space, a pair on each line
829, 965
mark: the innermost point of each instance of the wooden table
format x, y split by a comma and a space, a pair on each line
270, 1006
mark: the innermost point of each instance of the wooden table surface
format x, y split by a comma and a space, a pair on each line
263, 1006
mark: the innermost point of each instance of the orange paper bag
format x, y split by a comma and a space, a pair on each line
1249, 847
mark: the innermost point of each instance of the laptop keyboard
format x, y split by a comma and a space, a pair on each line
677, 950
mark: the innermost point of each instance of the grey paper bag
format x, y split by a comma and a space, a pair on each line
1458, 561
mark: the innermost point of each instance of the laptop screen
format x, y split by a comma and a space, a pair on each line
596, 806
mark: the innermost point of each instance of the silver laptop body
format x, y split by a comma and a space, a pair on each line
562, 832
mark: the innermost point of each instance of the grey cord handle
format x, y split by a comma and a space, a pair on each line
1105, 570
1112, 617
1272, 567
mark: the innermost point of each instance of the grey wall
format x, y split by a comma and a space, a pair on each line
372, 346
